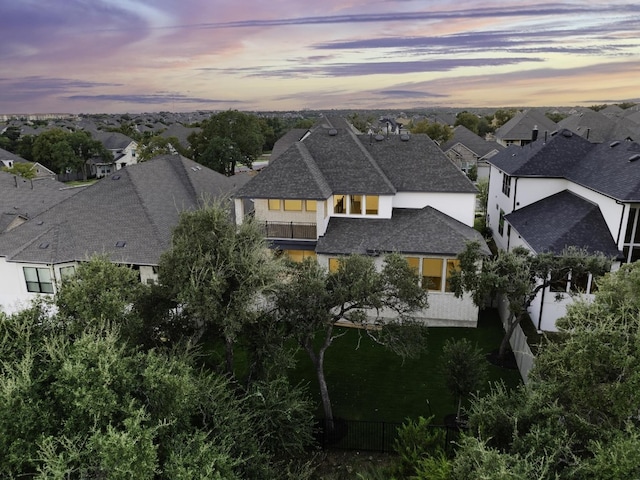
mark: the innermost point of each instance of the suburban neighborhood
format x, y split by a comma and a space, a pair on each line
321, 188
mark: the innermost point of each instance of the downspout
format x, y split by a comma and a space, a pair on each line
541, 308
515, 193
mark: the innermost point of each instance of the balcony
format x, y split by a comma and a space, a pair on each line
301, 231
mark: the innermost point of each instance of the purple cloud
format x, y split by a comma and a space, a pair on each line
147, 99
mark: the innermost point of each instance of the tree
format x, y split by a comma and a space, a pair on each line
438, 132
577, 417
155, 145
465, 369
518, 275
468, 120
361, 122
502, 116
227, 139
217, 272
312, 301
22, 169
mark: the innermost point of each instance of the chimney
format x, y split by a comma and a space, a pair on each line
534, 133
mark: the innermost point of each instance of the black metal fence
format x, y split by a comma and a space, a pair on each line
372, 436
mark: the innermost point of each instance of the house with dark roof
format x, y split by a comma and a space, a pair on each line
127, 216
598, 127
467, 149
566, 191
123, 148
335, 192
8, 160
524, 127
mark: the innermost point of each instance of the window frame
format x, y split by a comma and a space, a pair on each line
38, 282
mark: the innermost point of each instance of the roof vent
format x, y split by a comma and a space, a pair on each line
115, 177
614, 144
333, 132
553, 134
635, 157
39, 222
404, 137
567, 133
379, 137
44, 245
120, 243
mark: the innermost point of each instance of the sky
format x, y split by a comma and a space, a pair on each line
133, 56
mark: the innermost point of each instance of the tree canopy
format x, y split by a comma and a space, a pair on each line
436, 131
227, 139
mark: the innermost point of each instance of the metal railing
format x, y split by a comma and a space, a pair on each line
302, 231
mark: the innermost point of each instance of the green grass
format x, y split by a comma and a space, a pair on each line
367, 382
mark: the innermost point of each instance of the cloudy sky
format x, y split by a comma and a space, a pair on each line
89, 56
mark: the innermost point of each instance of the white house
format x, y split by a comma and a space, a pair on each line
561, 192
123, 148
127, 216
335, 193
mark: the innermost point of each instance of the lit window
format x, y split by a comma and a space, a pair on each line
414, 264
452, 266
300, 255
311, 205
339, 204
274, 204
38, 280
334, 264
371, 204
355, 205
432, 273
293, 205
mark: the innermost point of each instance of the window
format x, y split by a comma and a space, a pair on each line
501, 222
371, 204
452, 266
67, 272
300, 255
432, 273
579, 283
631, 248
274, 204
311, 205
334, 264
38, 280
559, 283
339, 204
293, 205
355, 204
414, 263
506, 184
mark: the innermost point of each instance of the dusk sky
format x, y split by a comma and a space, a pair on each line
117, 56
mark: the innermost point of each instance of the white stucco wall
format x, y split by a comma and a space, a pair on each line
13, 288
461, 206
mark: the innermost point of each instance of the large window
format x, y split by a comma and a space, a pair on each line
299, 255
293, 205
432, 273
355, 205
631, 248
274, 204
371, 204
38, 280
506, 184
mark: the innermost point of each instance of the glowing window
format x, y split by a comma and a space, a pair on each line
355, 205
311, 205
452, 266
300, 255
293, 205
432, 273
339, 204
334, 263
414, 263
371, 204
274, 204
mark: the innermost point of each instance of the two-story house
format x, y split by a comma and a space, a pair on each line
127, 216
466, 149
566, 191
524, 127
335, 193
123, 148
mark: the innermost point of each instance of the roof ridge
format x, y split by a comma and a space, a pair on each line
312, 165
372, 161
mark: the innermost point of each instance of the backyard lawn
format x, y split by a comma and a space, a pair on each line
366, 382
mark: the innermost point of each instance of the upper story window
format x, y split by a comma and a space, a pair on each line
631, 248
293, 205
67, 272
501, 223
38, 280
311, 205
356, 204
506, 184
274, 204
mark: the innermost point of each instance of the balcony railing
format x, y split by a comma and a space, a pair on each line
302, 231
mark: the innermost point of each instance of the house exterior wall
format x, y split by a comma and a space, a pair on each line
460, 206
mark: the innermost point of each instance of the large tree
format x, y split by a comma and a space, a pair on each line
519, 275
227, 139
217, 272
577, 417
312, 300
436, 131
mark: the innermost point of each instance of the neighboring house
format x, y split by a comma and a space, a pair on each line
335, 193
597, 127
524, 127
466, 149
127, 216
8, 159
123, 148
566, 192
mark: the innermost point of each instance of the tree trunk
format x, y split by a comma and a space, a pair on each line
511, 326
318, 362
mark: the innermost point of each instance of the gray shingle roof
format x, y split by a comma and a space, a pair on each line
562, 220
598, 128
138, 205
520, 127
478, 145
425, 231
333, 160
603, 167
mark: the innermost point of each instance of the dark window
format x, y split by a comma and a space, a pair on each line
38, 280
506, 184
